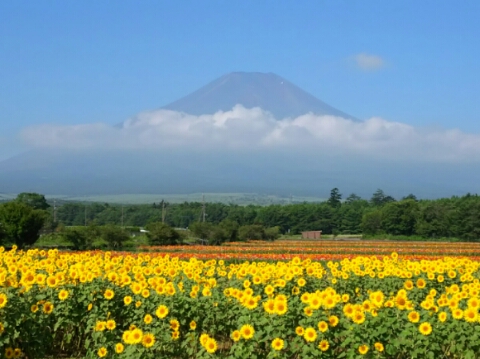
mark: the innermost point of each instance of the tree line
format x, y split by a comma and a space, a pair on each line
454, 217
457, 216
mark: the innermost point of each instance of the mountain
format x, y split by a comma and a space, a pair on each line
179, 170
253, 89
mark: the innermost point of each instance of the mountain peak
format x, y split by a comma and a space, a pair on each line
268, 91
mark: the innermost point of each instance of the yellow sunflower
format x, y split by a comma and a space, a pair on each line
323, 345
102, 352
363, 349
63, 294
3, 300
119, 348
299, 331
277, 344
310, 334
280, 307
136, 336
148, 340
109, 294
211, 345
127, 300
47, 307
323, 326
111, 325
236, 335
161, 312
414, 316
100, 326
247, 331
470, 315
148, 319
425, 328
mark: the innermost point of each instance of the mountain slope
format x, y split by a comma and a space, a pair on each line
253, 89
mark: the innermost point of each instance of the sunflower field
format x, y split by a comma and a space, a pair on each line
157, 305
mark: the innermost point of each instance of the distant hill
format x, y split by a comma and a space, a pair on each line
241, 199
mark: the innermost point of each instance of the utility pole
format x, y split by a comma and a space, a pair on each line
164, 212
54, 211
203, 207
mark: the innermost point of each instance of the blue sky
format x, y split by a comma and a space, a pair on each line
81, 62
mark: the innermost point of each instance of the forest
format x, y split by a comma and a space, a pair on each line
454, 217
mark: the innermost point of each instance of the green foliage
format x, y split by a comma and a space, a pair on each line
251, 232
114, 236
433, 220
201, 230
217, 235
379, 198
351, 213
226, 230
399, 218
410, 196
335, 199
81, 238
455, 217
34, 200
372, 222
161, 234
272, 233
231, 229
20, 223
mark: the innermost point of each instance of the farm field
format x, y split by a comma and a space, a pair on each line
321, 250
284, 299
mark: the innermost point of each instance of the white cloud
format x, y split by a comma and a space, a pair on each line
367, 62
242, 129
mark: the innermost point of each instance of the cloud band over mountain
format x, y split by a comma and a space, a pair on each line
254, 129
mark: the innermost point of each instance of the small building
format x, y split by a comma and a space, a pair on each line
312, 235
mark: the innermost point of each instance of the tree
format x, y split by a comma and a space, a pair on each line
272, 233
20, 223
434, 219
161, 234
77, 237
353, 198
114, 236
217, 235
410, 196
335, 199
34, 200
399, 218
3, 235
379, 198
351, 214
231, 228
201, 230
81, 238
372, 222
251, 231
